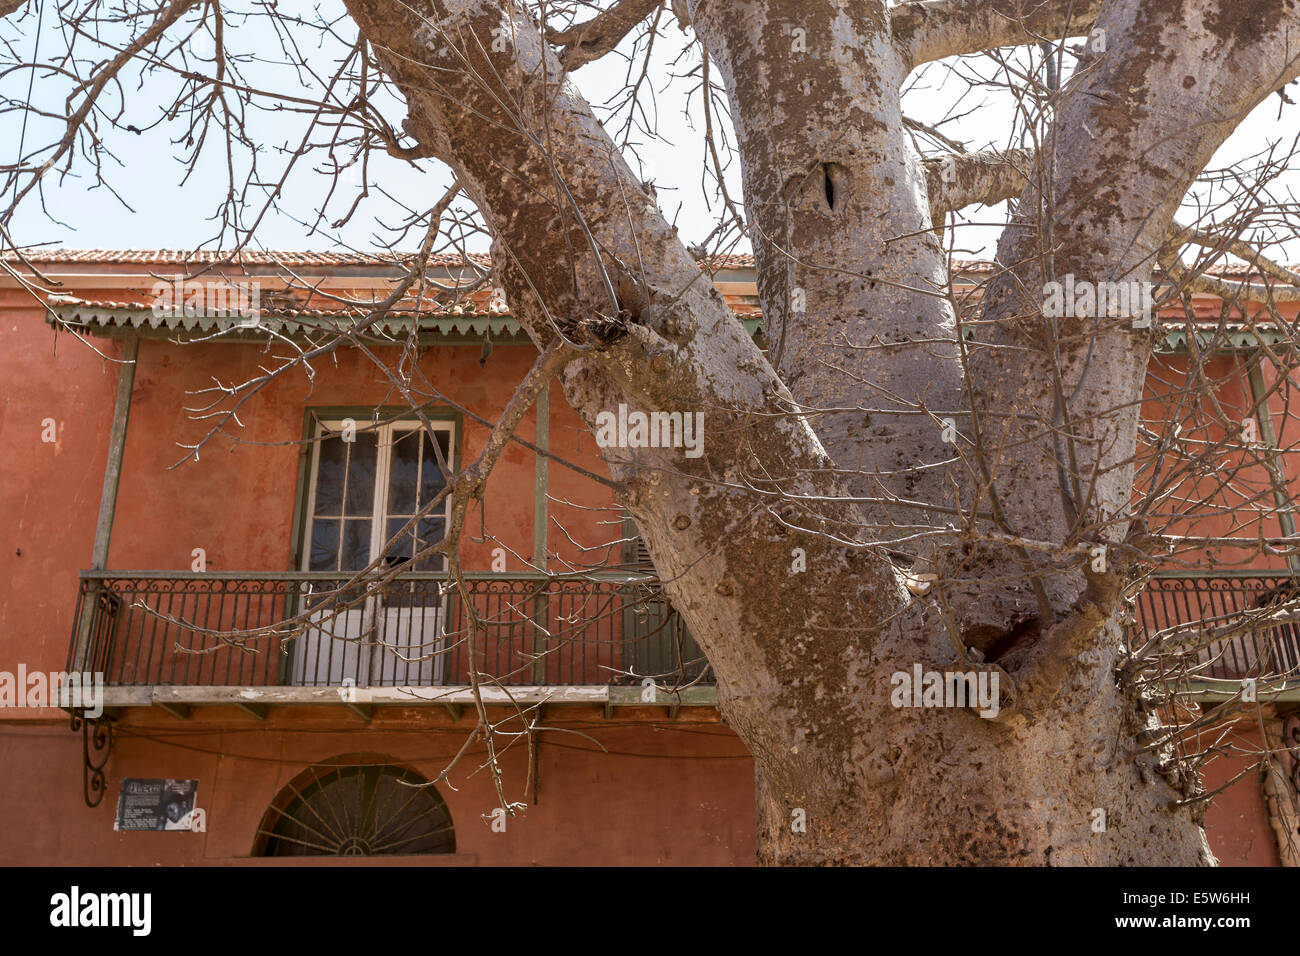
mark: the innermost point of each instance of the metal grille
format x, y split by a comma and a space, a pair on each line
304, 629
357, 809
1267, 651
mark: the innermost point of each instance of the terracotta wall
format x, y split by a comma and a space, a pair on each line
49, 492
238, 500
1236, 821
680, 793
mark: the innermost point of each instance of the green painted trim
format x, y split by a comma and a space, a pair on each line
300, 497
108, 492
154, 575
629, 532
297, 533
698, 695
465, 329
182, 700
116, 448
541, 483
541, 477
1202, 574
1229, 340
1221, 690
1264, 416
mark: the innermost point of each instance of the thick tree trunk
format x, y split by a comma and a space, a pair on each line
851, 277
805, 659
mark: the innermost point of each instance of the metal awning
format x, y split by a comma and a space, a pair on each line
448, 326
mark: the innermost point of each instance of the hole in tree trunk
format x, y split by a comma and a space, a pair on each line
1001, 645
834, 181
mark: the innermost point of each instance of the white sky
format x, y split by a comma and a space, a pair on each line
164, 213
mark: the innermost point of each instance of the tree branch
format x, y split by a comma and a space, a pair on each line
594, 38
93, 86
929, 30
1181, 235
963, 179
1224, 289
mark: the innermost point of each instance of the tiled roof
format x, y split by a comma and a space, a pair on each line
257, 257
299, 260
285, 258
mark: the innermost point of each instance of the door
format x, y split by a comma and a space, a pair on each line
365, 488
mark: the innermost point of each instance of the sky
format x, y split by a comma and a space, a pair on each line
149, 202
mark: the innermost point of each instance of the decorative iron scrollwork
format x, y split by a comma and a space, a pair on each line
1291, 741
96, 738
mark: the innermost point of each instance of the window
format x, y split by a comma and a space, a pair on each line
356, 805
363, 489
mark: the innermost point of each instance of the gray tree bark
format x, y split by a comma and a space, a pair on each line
839, 209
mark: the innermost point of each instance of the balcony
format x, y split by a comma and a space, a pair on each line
252, 640
1259, 611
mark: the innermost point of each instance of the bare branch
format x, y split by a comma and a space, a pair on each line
934, 29
959, 180
1227, 290
594, 38
91, 89
1183, 235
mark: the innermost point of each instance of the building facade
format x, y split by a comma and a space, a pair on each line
193, 479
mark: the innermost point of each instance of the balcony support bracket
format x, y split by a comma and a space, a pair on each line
257, 710
179, 711
96, 747
364, 711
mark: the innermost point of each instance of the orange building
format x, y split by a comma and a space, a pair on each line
198, 561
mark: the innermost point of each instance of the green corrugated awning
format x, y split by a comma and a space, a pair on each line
1210, 338
112, 319
108, 319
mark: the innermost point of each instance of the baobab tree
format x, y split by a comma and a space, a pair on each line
903, 476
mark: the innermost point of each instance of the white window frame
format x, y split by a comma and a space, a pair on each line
383, 467
373, 606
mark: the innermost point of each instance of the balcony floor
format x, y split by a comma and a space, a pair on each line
181, 700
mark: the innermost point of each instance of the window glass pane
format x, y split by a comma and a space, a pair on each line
329, 476
405, 546
404, 473
363, 454
431, 532
324, 545
431, 477
356, 545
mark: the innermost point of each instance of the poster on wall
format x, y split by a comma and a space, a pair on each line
156, 804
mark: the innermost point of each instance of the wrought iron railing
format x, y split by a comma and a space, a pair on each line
1250, 606
308, 629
